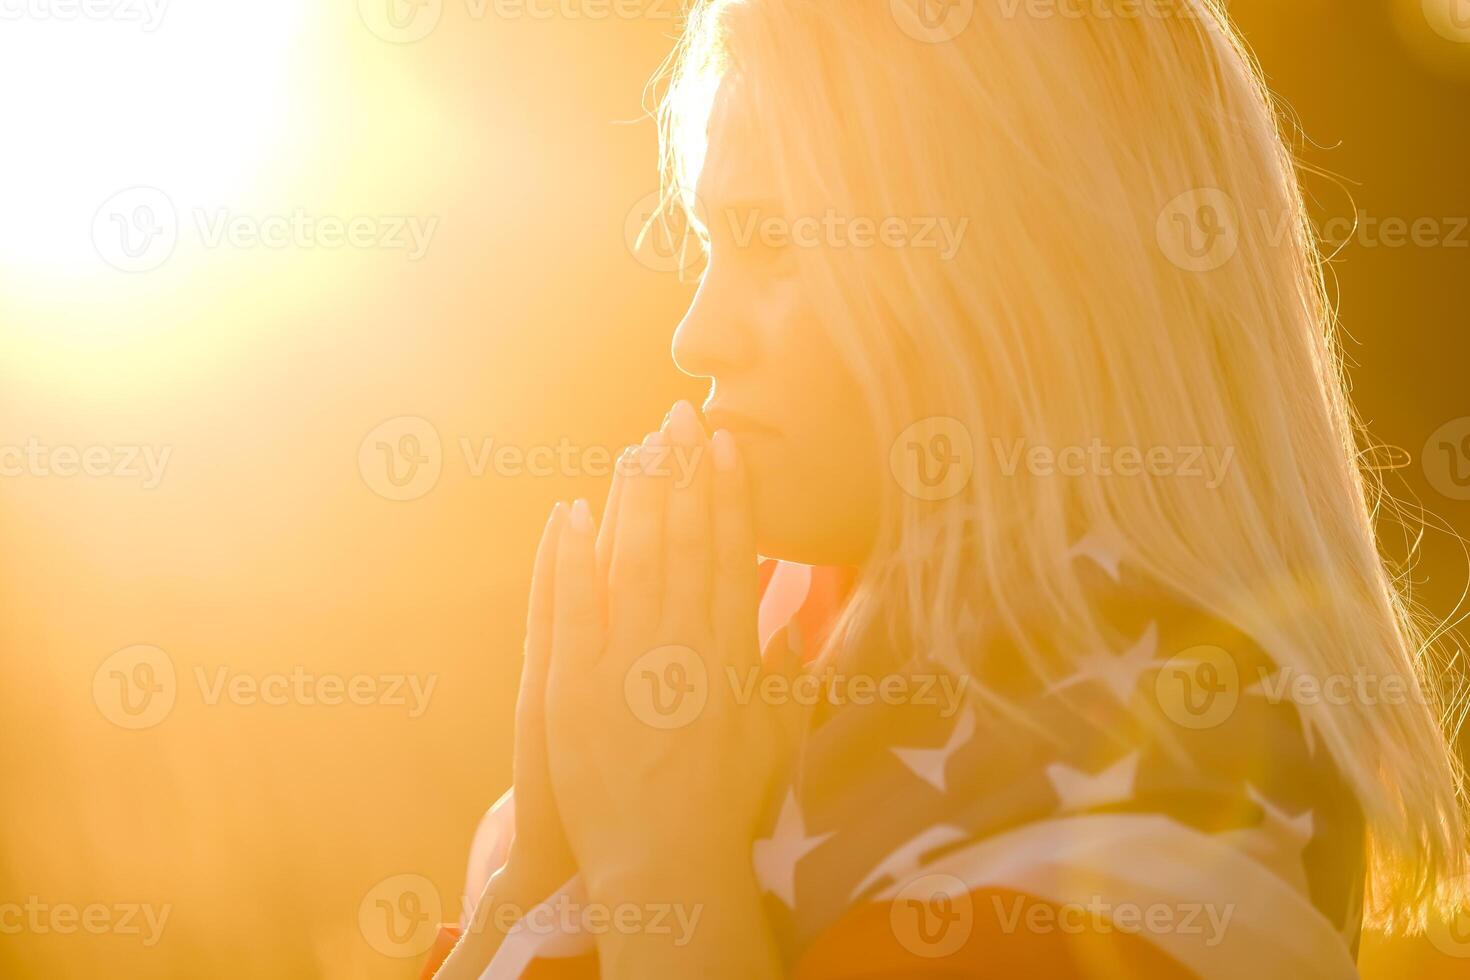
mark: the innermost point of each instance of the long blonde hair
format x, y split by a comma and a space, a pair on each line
1066, 140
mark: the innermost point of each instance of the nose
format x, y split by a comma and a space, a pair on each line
710, 341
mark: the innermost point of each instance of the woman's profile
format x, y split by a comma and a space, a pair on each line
1071, 651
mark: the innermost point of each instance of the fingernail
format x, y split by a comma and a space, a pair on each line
684, 426
723, 445
555, 514
654, 439
581, 516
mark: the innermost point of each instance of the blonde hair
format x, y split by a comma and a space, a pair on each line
1063, 139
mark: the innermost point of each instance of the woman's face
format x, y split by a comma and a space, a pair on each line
777, 382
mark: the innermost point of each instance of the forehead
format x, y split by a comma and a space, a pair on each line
736, 162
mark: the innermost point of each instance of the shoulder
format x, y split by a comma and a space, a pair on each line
1182, 714
1167, 769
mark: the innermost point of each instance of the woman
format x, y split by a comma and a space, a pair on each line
1022, 365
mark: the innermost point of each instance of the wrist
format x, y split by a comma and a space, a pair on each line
534, 864
656, 872
705, 919
512, 891
504, 901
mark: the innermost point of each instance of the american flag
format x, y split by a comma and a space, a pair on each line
1163, 810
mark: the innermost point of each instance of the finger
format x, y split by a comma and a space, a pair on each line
635, 574
543, 582
607, 532
688, 562
576, 631
735, 564
531, 697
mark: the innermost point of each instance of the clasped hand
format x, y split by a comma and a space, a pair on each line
635, 762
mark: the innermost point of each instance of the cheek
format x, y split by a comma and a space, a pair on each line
772, 468
784, 500
816, 487
826, 435
808, 508
815, 484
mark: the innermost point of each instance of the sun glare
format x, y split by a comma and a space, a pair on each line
184, 98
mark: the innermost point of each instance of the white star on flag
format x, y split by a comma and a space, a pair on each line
904, 861
1103, 548
1078, 790
929, 764
1295, 831
1279, 840
775, 857
1118, 672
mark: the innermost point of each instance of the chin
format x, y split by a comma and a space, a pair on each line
794, 523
